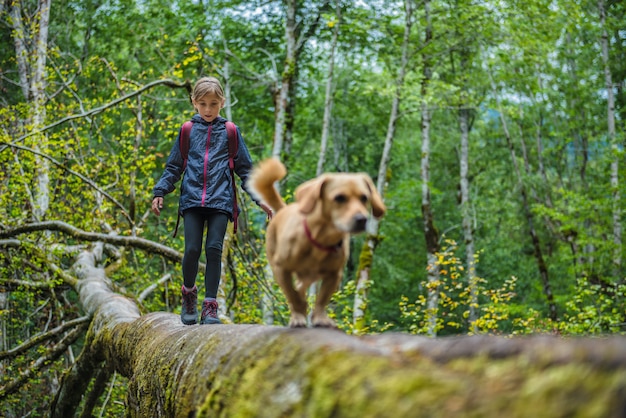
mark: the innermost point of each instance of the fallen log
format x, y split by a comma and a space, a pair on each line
266, 371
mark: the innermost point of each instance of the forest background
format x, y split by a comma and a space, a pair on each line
494, 130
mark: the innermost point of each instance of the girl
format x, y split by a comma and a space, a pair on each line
206, 197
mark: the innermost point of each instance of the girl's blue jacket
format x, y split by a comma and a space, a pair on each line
207, 182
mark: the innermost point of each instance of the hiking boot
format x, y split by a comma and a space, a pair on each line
189, 310
209, 312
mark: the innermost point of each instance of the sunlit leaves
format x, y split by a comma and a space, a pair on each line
454, 299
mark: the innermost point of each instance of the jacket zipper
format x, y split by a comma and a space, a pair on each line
206, 164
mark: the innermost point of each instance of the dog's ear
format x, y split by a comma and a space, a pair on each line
309, 192
378, 207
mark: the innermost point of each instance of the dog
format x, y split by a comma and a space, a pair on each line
309, 240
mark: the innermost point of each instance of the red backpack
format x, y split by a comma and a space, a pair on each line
233, 145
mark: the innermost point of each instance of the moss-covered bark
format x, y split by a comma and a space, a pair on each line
263, 371
260, 371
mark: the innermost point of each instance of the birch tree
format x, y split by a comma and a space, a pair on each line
468, 233
468, 20
30, 38
431, 234
328, 95
300, 27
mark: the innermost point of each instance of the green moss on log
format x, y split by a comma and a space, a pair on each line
289, 381
253, 370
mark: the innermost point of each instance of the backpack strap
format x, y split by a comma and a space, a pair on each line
183, 143
185, 132
233, 147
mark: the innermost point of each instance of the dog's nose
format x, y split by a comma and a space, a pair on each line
359, 221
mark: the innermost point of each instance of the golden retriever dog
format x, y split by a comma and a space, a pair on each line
309, 240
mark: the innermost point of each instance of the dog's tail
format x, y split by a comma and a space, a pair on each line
262, 179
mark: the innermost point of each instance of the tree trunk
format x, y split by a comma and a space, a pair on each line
468, 229
431, 235
328, 102
371, 242
32, 68
254, 370
283, 94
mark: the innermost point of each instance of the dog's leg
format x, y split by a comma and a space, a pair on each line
330, 283
297, 303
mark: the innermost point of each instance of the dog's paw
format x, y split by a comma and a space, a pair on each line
323, 322
297, 321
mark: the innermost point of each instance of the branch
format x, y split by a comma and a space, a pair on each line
10, 243
103, 375
37, 339
42, 362
100, 109
74, 232
148, 290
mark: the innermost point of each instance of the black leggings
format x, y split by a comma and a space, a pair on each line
195, 220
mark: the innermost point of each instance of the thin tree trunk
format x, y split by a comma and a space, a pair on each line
372, 239
132, 209
328, 101
431, 235
21, 53
340, 147
610, 112
32, 76
466, 213
38, 86
283, 94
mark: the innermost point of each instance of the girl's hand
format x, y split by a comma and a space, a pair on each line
157, 205
268, 210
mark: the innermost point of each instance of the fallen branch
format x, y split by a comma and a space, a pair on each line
39, 338
77, 233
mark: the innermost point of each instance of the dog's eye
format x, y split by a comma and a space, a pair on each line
341, 198
363, 199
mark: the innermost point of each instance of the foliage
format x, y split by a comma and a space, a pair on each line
452, 312
594, 309
341, 310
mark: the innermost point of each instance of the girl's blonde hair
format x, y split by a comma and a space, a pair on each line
207, 85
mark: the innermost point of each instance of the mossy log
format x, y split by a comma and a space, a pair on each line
265, 371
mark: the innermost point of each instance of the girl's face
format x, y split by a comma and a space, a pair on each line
209, 106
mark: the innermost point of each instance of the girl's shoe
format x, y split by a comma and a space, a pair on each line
189, 310
209, 312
